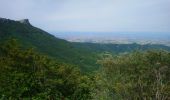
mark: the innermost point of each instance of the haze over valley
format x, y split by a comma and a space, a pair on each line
84, 50
117, 37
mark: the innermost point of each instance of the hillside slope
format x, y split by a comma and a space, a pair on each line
83, 55
30, 36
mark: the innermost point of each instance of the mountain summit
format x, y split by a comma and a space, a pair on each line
25, 21
47, 44
22, 21
84, 55
4, 20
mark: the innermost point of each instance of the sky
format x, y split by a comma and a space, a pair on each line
91, 15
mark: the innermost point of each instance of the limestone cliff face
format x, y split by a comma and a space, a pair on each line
23, 21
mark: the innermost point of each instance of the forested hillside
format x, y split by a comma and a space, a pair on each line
35, 65
134, 76
83, 55
45, 43
26, 74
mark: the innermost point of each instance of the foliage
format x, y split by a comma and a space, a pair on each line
136, 76
83, 55
25, 74
47, 44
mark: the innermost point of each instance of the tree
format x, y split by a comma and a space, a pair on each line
140, 75
26, 74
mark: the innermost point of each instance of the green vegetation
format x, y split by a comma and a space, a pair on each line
47, 44
83, 55
135, 76
24, 74
35, 65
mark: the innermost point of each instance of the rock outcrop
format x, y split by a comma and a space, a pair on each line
25, 21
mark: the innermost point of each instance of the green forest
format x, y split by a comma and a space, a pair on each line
38, 66
26, 74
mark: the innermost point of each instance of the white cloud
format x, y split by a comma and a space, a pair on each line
91, 15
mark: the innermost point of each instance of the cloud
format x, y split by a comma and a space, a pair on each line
91, 15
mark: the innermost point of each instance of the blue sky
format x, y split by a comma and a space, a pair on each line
91, 15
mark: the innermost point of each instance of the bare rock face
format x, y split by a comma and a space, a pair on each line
25, 21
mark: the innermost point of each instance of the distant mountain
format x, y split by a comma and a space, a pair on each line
84, 55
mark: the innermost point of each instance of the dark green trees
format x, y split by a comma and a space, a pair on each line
136, 76
24, 74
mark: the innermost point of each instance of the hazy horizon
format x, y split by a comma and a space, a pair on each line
91, 15
116, 37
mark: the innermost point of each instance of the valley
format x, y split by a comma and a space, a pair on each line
40, 66
117, 37
84, 49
